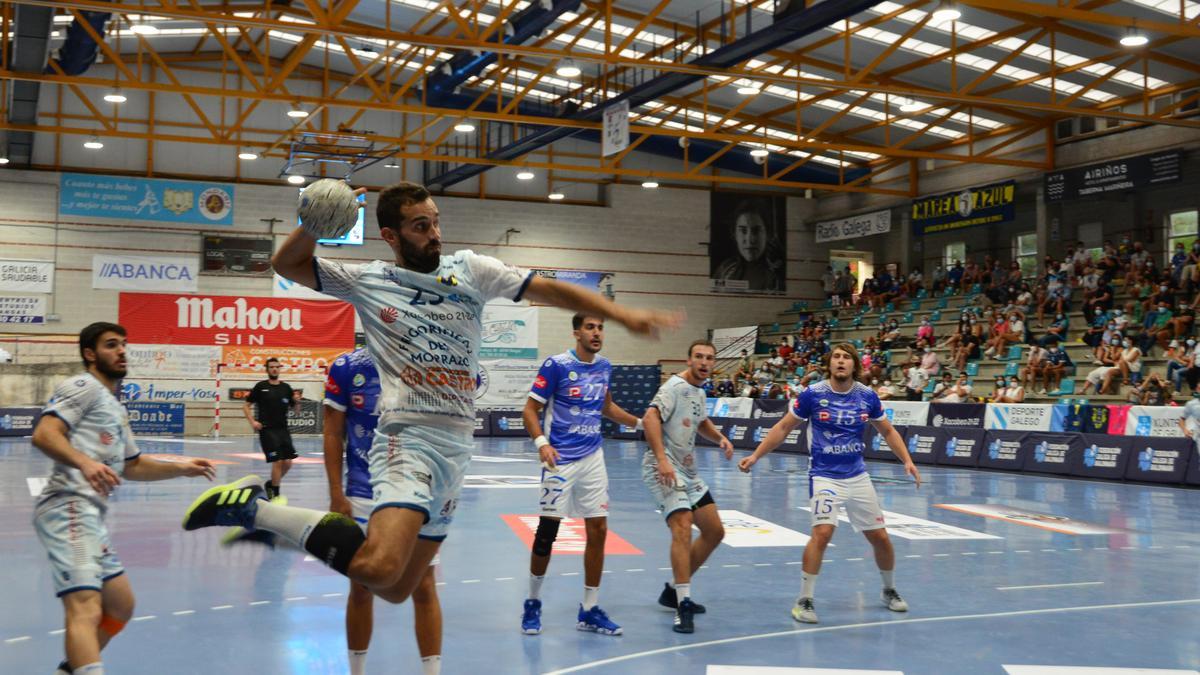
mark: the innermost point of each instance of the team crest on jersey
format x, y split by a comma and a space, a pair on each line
448, 280
410, 376
823, 402
106, 438
687, 422
358, 401
823, 416
359, 380
388, 315
572, 376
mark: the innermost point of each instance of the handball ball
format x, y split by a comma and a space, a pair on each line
328, 208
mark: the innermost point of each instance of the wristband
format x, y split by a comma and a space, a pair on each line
540, 442
638, 426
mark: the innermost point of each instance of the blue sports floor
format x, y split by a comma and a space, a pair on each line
1026, 597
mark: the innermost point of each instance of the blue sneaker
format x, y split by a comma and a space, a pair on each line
594, 620
531, 620
229, 504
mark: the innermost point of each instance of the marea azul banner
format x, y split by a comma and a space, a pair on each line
170, 201
145, 273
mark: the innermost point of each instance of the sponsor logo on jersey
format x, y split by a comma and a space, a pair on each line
575, 391
539, 382
823, 402
823, 416
331, 386
410, 376
389, 315
358, 401
106, 438
687, 422
862, 417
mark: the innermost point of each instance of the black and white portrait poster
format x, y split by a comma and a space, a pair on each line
747, 248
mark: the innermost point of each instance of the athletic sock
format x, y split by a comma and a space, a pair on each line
331, 537
888, 577
358, 662
591, 596
431, 665
535, 586
290, 522
683, 591
96, 668
808, 584
64, 668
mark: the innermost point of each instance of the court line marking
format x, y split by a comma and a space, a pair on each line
1022, 588
871, 624
15, 640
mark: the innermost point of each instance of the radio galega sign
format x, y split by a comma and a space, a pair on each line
986, 205
229, 320
136, 272
854, 227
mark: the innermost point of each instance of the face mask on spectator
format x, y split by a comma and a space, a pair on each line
1191, 342
999, 382
1126, 344
1097, 312
1058, 317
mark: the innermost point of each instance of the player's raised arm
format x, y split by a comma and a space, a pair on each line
569, 296
294, 258
892, 437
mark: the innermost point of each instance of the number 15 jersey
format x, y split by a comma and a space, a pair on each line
836, 422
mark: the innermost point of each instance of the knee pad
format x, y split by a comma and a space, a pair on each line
111, 625
543, 539
335, 540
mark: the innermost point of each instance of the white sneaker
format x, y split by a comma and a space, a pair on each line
893, 601
1041, 392
804, 612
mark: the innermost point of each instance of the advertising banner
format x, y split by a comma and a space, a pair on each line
729, 342
305, 362
747, 243
911, 527
19, 421
589, 280
743, 530
507, 423
309, 418
1004, 450
733, 407
875, 448
483, 423
26, 276
1096, 419
1103, 456
615, 137
1159, 460
509, 332
793, 442
240, 255
23, 309
160, 318
1018, 416
961, 446
1067, 418
504, 383
769, 409
1154, 420
138, 389
171, 201
957, 415
922, 443
915, 413
854, 227
172, 361
1193, 472
145, 273
1117, 175
1051, 452
146, 417
986, 205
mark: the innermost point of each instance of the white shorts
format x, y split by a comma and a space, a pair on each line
421, 468
361, 509
578, 489
75, 536
1096, 376
682, 496
828, 496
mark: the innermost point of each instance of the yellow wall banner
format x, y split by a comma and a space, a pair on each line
984, 205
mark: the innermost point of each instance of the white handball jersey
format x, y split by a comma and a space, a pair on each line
424, 330
682, 408
97, 426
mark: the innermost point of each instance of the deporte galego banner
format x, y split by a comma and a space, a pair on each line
145, 273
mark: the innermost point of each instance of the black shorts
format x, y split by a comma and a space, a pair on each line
276, 444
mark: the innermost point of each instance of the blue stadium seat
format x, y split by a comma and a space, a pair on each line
834, 322
889, 308
856, 322
775, 327
922, 294
942, 303
972, 369
828, 303
914, 306
908, 317
1014, 353
1065, 387
1010, 370
935, 315
929, 387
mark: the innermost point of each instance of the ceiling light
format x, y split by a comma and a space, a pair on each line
391, 165
946, 11
93, 143
295, 180
247, 154
525, 175
1134, 37
759, 152
747, 91
115, 96
556, 196
3, 161
649, 184
143, 29
568, 69
297, 112
464, 127
908, 105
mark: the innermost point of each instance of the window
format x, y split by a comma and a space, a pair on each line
1182, 228
954, 252
1025, 253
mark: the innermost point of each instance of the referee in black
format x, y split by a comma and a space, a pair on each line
273, 397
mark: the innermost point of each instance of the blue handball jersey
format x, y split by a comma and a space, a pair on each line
573, 393
835, 427
353, 388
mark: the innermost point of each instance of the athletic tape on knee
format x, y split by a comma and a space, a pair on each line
543, 539
111, 625
335, 540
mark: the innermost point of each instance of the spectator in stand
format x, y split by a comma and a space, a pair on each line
958, 391
874, 364
1191, 270
930, 362
868, 296
1179, 260
774, 364
1035, 366
971, 275
1096, 329
889, 334
1130, 365
960, 332
1089, 282
1058, 298
1106, 359
1154, 391
1004, 333
1183, 320
972, 344
785, 348
915, 282
886, 391
1102, 298
1162, 295
914, 385
1109, 262
1057, 362
1082, 258
848, 286
1057, 330
939, 279
1123, 317
724, 388
1024, 300
1124, 250
745, 369
925, 331
1008, 390
1138, 257
997, 395
827, 284
1156, 328
954, 277
889, 289
1178, 361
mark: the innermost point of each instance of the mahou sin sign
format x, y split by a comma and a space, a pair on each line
161, 318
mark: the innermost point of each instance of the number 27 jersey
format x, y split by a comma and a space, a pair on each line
574, 393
